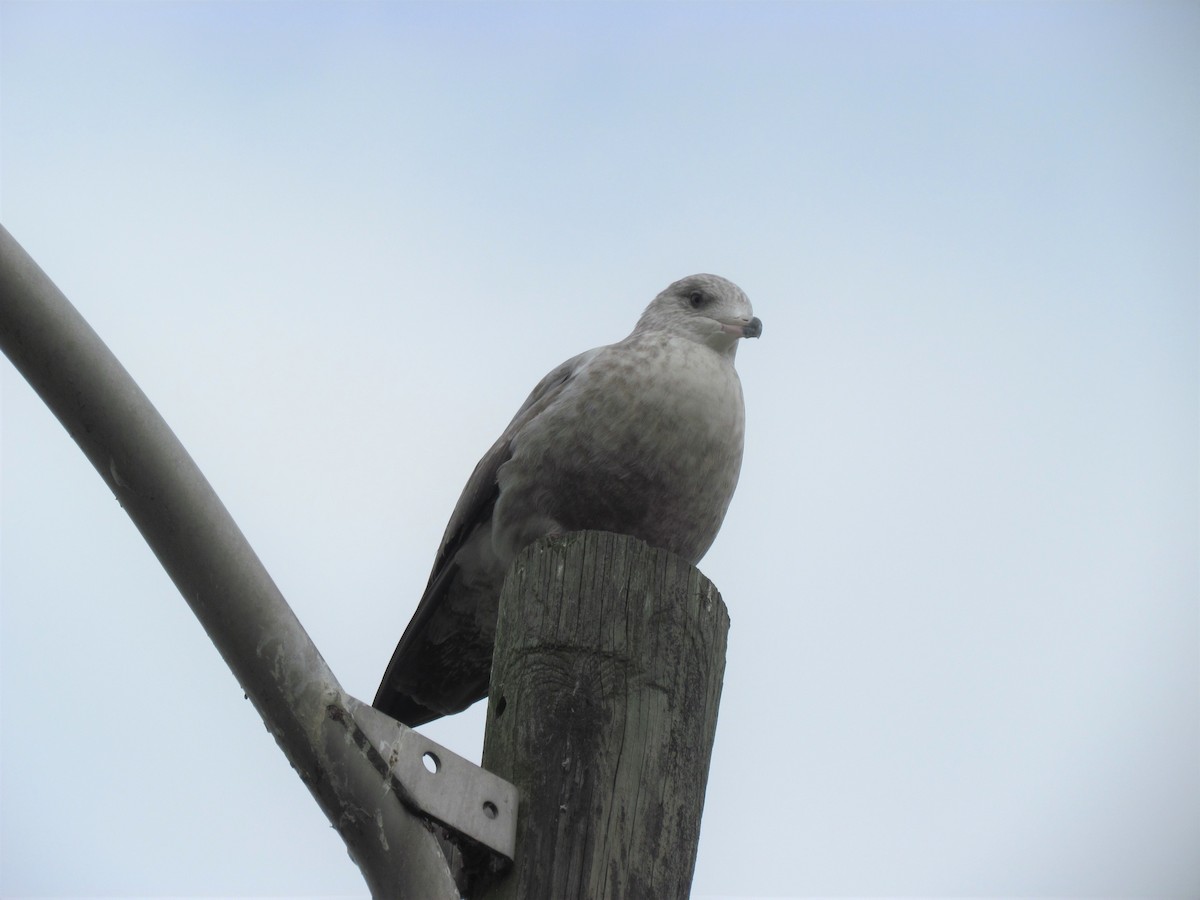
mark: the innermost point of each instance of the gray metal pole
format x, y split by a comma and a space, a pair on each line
204, 552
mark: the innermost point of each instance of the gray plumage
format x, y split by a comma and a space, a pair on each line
642, 437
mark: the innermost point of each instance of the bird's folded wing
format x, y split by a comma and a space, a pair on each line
479, 496
474, 509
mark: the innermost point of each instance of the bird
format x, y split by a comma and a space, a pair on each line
642, 437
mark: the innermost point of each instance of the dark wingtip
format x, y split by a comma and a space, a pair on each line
403, 709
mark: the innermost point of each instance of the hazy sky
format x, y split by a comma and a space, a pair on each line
337, 244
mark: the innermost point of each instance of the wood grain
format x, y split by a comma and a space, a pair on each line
603, 706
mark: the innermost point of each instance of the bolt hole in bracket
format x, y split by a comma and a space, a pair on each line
442, 785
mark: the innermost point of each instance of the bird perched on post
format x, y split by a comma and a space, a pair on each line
642, 437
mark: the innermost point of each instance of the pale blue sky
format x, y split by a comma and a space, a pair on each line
337, 244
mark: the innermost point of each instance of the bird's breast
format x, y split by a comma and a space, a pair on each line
646, 442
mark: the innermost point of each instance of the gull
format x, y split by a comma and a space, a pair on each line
642, 437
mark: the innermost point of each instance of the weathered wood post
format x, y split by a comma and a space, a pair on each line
603, 707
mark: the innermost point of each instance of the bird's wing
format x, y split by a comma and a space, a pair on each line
474, 506
452, 670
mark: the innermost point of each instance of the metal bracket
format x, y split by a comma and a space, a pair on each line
442, 785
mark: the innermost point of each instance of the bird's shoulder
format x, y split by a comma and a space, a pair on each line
479, 494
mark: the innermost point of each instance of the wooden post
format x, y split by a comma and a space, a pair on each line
605, 685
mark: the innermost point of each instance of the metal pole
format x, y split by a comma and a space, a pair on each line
206, 555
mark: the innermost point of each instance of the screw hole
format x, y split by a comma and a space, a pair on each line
432, 763
489, 809
501, 705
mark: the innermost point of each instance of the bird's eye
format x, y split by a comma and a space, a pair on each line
696, 298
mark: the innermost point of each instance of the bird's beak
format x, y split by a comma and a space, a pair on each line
742, 328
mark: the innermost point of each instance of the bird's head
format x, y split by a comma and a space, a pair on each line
708, 309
